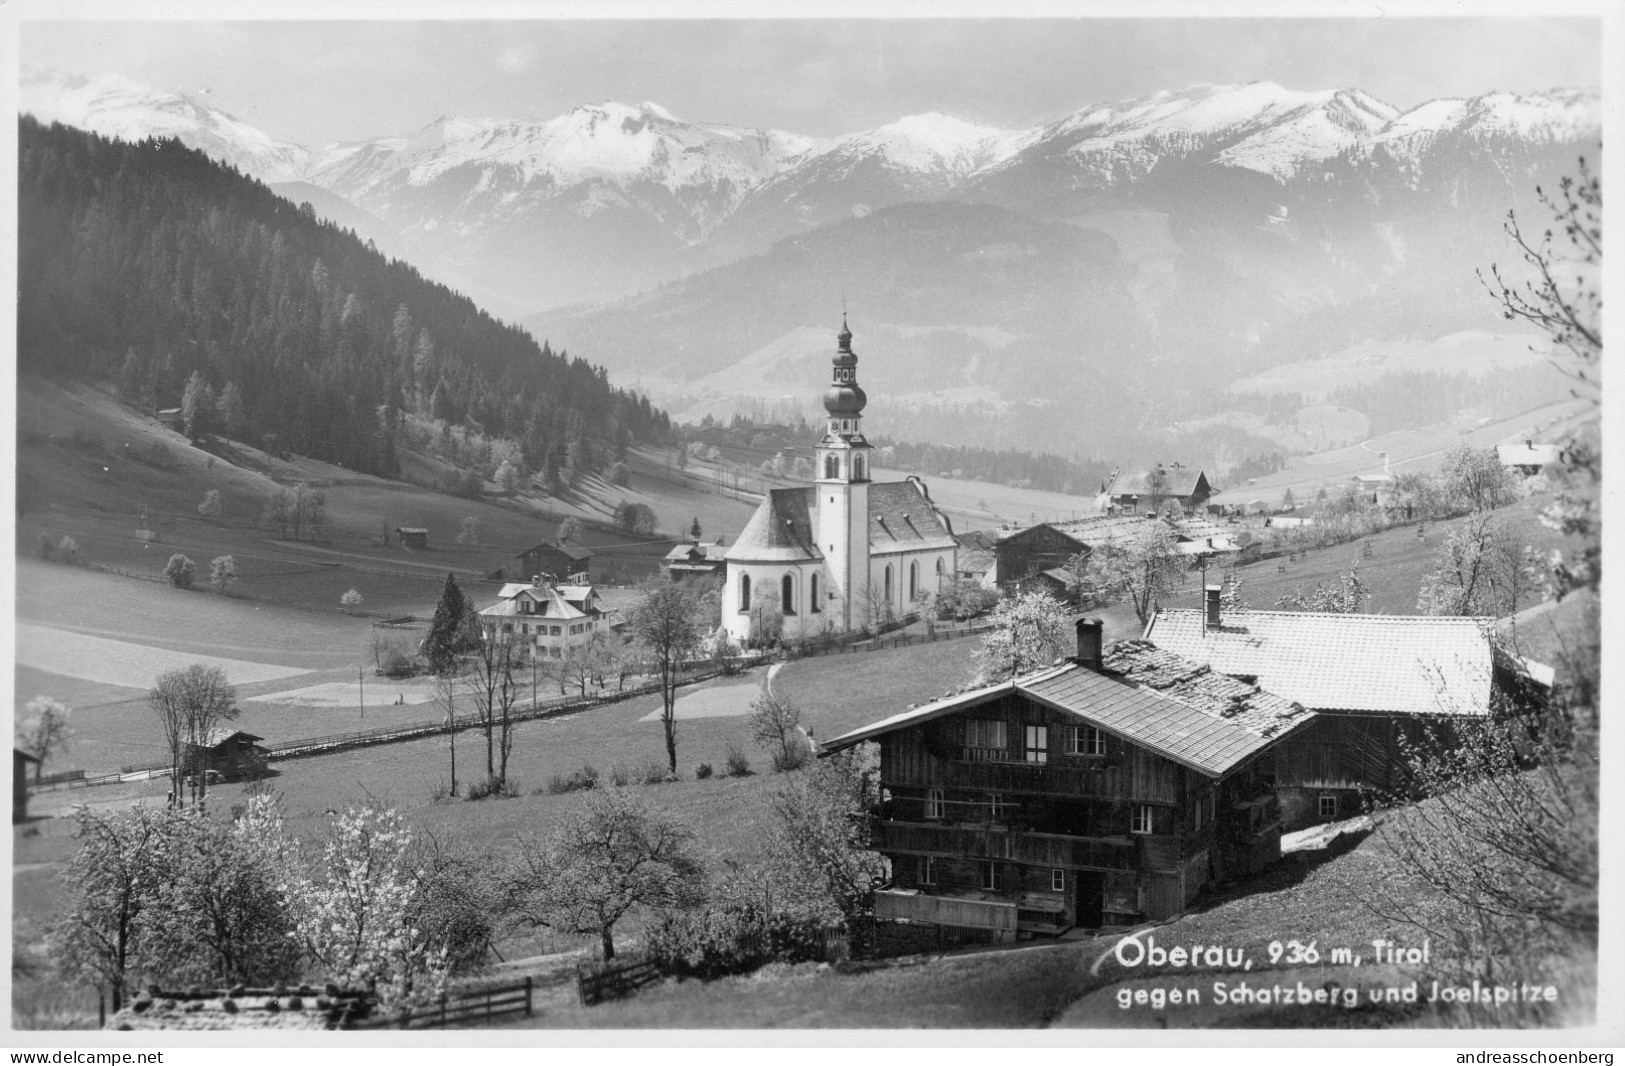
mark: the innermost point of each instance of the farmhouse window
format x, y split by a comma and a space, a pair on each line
1085, 740
992, 877
1037, 749
1328, 806
1057, 880
984, 739
927, 869
997, 806
1140, 819
934, 803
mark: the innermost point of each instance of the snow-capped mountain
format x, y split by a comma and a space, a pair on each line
115, 106
610, 198
690, 174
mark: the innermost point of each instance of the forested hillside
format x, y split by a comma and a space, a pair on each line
147, 263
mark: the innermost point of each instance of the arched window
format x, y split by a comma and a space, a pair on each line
888, 582
857, 468
812, 595
744, 592
832, 467
787, 594
913, 581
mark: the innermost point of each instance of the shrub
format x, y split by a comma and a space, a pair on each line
732, 938
69, 549
619, 775
47, 546
181, 571
491, 787
738, 764
654, 773
350, 600
397, 663
702, 771
578, 781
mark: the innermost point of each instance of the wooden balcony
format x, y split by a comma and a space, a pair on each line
980, 842
960, 911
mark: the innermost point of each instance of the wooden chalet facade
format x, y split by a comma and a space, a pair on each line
1149, 490
1073, 797
1376, 683
1026, 553
558, 562
20, 762
231, 753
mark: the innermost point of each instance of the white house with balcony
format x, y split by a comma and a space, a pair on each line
547, 619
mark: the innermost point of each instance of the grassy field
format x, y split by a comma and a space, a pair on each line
1409, 451
88, 466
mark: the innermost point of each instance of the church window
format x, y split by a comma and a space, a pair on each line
913, 581
787, 594
744, 592
832, 468
857, 468
888, 582
812, 594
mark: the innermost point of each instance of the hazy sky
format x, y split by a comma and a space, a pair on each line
314, 82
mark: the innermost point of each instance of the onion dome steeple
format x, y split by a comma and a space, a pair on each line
844, 399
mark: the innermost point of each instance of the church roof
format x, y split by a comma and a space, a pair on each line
901, 518
781, 530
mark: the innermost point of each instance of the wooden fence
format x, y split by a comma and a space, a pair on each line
463, 1008
296, 749
600, 980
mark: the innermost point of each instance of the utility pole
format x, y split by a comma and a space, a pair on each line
361, 687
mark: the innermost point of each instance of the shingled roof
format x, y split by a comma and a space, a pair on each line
781, 530
1209, 724
1390, 664
1177, 482
902, 518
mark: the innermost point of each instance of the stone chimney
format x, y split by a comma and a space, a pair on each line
1211, 601
1090, 643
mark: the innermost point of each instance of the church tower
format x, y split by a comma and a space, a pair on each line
842, 483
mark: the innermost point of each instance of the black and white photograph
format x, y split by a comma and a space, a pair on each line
718, 520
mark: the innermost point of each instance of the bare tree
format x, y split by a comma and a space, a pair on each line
613, 855
775, 724
189, 702
45, 729
222, 572
491, 663
664, 624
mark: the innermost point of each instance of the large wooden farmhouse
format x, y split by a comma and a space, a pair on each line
1103, 791
1374, 681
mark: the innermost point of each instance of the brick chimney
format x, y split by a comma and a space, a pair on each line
1211, 602
1090, 643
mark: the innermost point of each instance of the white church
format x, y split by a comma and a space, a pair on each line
845, 553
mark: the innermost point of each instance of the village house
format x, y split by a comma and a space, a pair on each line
1025, 553
412, 536
557, 560
1149, 490
549, 620
844, 554
1374, 488
1373, 681
693, 559
1527, 458
1104, 791
231, 753
20, 761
